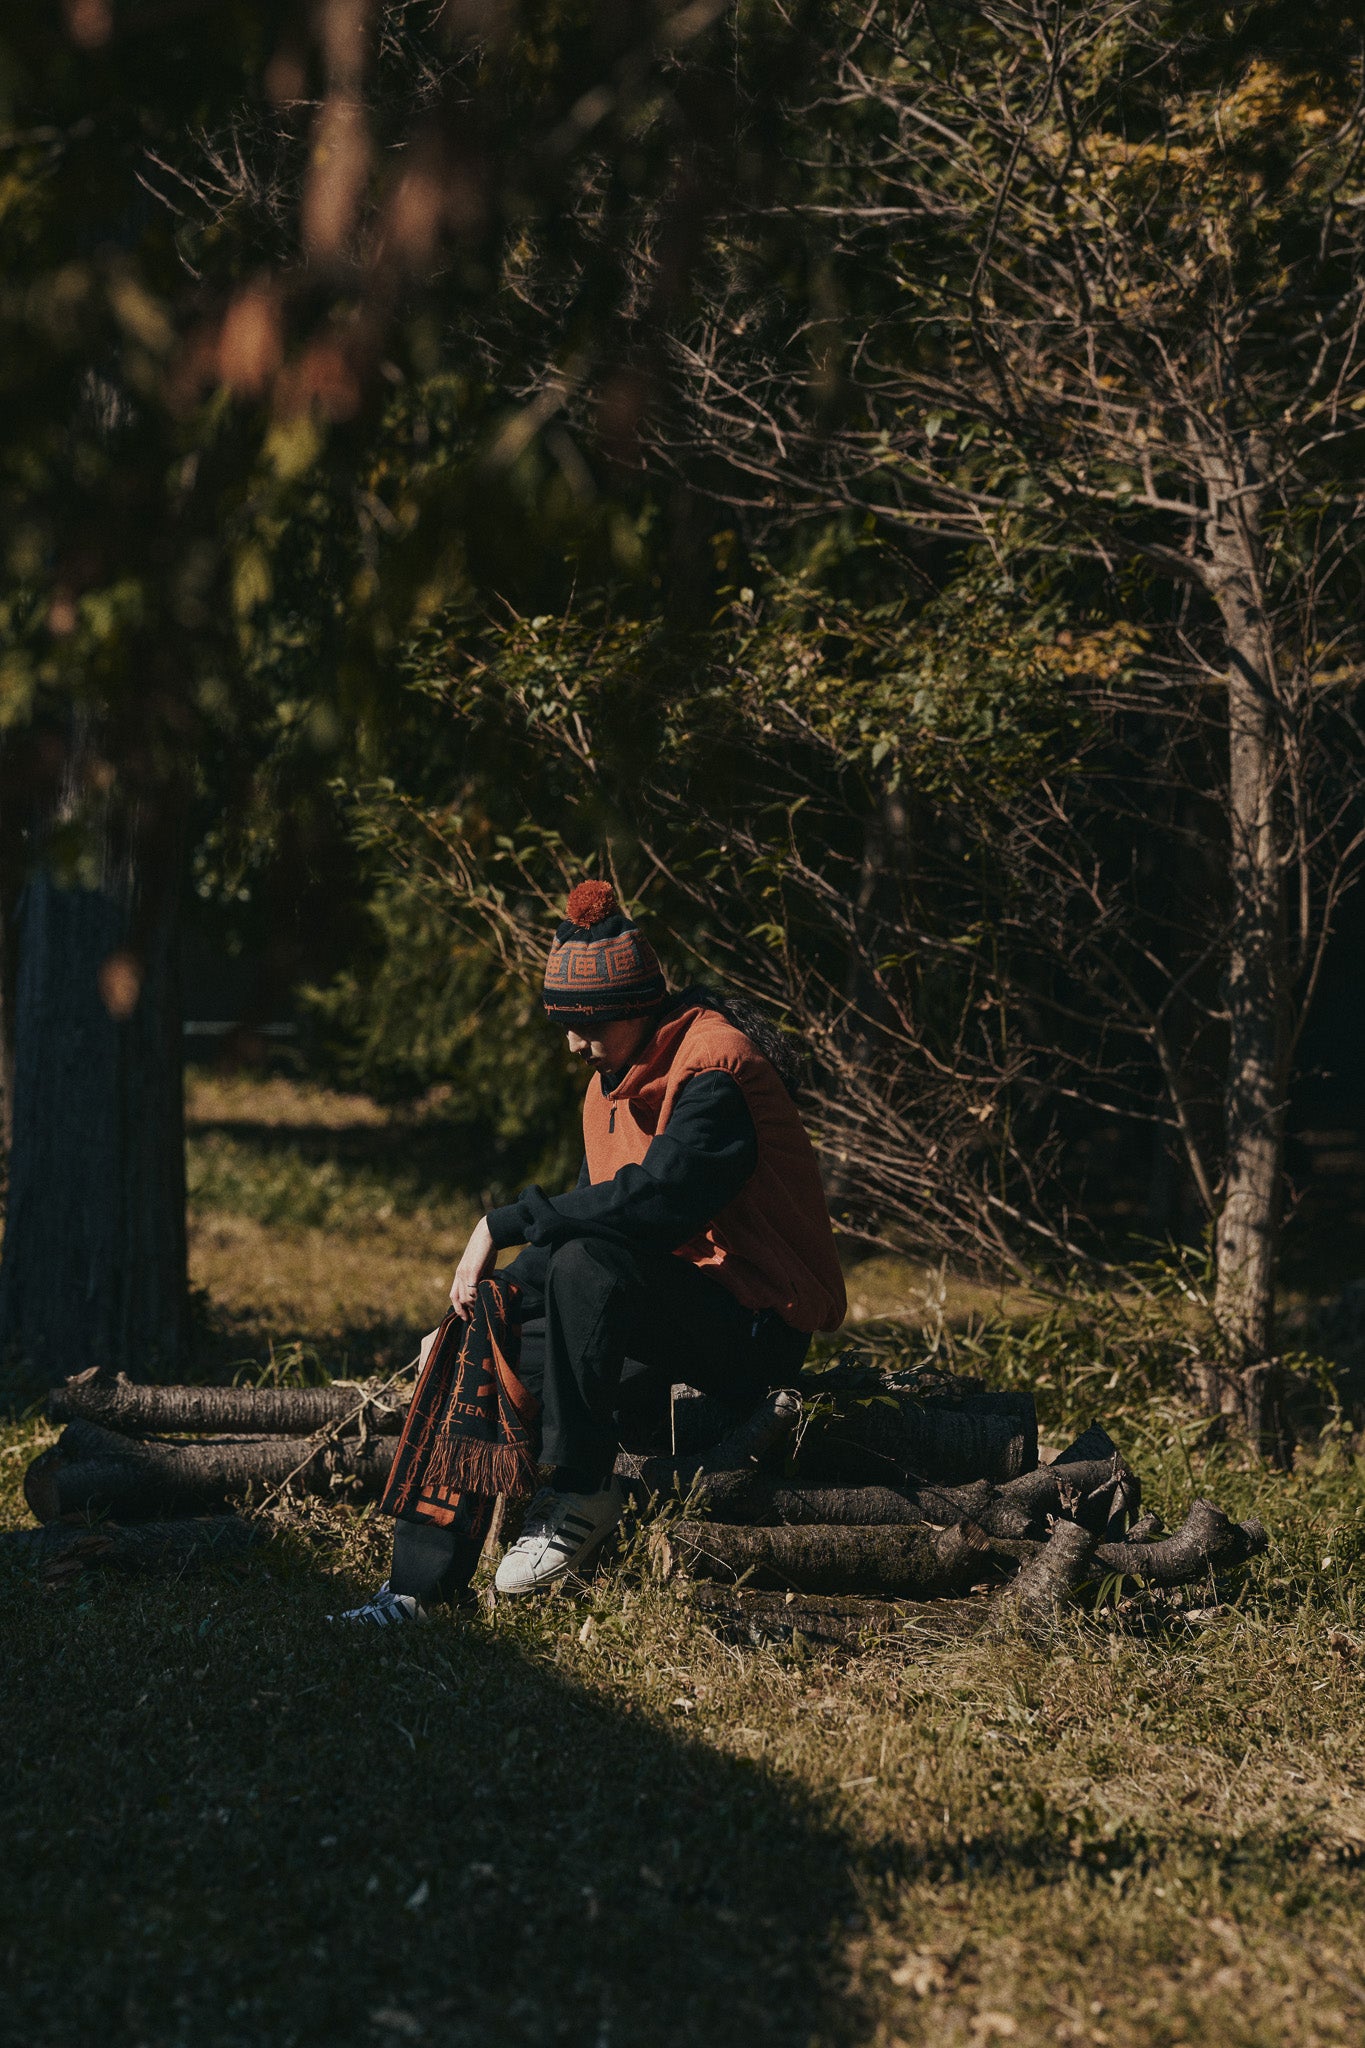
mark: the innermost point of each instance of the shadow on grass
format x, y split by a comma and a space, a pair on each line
227, 1825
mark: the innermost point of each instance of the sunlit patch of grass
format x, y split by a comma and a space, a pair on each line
314, 1221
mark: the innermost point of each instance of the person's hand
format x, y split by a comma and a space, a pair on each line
480, 1256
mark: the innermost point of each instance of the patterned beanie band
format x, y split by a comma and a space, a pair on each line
601, 966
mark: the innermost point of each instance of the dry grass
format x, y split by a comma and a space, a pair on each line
590, 1821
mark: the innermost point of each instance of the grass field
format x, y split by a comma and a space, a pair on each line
589, 1820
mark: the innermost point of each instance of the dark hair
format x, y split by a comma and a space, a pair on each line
762, 1034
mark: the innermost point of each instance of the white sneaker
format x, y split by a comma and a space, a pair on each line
385, 1610
563, 1533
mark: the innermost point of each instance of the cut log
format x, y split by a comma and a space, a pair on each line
891, 1563
62, 1549
699, 1420
758, 1501
1092, 1446
92, 1471
1147, 1528
742, 1616
1207, 1540
1049, 1579
1081, 1484
769, 1426
116, 1402
892, 1439
1098, 1491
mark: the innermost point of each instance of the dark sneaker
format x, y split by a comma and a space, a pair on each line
385, 1610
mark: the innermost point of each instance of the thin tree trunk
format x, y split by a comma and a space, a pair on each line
1247, 1231
1205, 1541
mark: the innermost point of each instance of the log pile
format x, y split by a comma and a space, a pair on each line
807, 1514
142, 1475
776, 1554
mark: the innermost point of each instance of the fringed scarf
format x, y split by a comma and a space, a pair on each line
470, 1432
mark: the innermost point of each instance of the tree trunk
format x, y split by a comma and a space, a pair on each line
94, 1269
1246, 1234
895, 1440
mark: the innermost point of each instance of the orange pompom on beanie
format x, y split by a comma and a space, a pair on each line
601, 965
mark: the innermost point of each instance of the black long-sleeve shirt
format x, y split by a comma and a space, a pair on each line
687, 1176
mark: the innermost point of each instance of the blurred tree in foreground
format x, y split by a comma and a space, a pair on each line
182, 391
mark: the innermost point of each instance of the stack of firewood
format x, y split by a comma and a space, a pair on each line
877, 1508
816, 1512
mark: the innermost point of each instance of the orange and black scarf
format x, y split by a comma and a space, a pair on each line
470, 1432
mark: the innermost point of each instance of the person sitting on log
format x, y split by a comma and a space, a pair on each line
696, 1246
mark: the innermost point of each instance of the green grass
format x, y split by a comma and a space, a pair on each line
591, 1821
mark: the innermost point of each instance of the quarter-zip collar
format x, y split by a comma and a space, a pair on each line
645, 1080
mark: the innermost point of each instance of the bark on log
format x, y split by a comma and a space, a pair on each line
1147, 1528
62, 1549
895, 1440
893, 1563
116, 1402
1205, 1541
1081, 1484
737, 1453
743, 1616
91, 1471
759, 1502
1052, 1576
1088, 1483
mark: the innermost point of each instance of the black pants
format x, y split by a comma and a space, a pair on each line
605, 1333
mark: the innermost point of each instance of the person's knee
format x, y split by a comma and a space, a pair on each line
582, 1266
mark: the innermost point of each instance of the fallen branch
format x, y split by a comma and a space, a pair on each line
1207, 1540
892, 1563
92, 1471
1095, 1488
62, 1549
1049, 1579
134, 1408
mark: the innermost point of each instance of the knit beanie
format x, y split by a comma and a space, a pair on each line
601, 966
